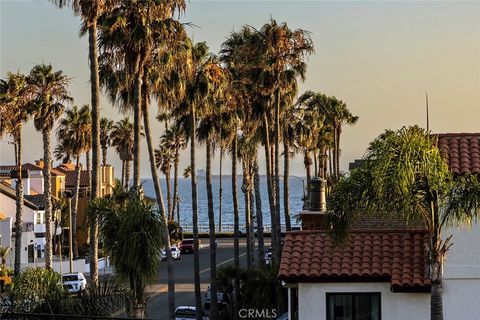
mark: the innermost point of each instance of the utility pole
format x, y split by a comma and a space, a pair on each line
426, 104
70, 241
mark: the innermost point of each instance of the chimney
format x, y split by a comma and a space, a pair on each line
40, 163
313, 215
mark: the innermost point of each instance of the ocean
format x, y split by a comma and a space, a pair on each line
184, 188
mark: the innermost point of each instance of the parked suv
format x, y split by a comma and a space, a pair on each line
74, 282
187, 245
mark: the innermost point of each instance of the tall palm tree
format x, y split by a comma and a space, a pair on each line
90, 11
122, 140
284, 51
404, 174
106, 127
14, 99
49, 96
210, 112
74, 137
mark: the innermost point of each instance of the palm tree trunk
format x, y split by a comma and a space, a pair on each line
307, 161
315, 162
47, 190
169, 194
123, 174
161, 207
269, 180
95, 101
175, 182
196, 257
246, 195
258, 204
137, 103
236, 248
276, 249
89, 171
334, 155
330, 162
220, 192
213, 245
321, 163
19, 201
127, 174
104, 156
252, 215
286, 172
75, 209
337, 150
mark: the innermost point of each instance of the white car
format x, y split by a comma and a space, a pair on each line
74, 282
186, 313
175, 254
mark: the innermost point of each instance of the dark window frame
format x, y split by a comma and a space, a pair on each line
353, 294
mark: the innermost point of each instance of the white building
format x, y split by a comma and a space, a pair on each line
33, 224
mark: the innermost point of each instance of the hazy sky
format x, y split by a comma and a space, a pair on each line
379, 57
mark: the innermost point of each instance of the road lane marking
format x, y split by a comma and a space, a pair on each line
165, 287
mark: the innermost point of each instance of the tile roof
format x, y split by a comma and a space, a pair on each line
29, 167
70, 179
461, 151
38, 200
10, 192
398, 257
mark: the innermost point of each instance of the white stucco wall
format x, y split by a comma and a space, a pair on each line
394, 306
462, 275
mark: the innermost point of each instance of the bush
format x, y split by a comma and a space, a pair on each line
39, 290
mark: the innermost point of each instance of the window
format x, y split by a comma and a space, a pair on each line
353, 306
38, 219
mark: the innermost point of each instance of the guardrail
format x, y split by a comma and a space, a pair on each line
229, 228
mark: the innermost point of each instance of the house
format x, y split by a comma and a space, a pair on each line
106, 185
33, 224
381, 272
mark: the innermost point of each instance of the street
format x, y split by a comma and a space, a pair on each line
157, 307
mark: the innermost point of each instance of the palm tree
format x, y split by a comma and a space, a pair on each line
49, 95
106, 127
74, 136
90, 11
122, 140
284, 51
14, 98
210, 112
132, 232
163, 161
404, 174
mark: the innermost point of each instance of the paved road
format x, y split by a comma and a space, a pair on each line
157, 307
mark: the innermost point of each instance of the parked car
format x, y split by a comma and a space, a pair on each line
187, 245
175, 254
186, 313
74, 282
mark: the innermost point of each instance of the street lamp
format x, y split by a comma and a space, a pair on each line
69, 195
303, 185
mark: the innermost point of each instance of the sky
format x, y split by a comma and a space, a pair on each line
378, 57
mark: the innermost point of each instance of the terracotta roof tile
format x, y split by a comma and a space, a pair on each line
398, 257
461, 151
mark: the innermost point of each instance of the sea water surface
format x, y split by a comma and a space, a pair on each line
184, 189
